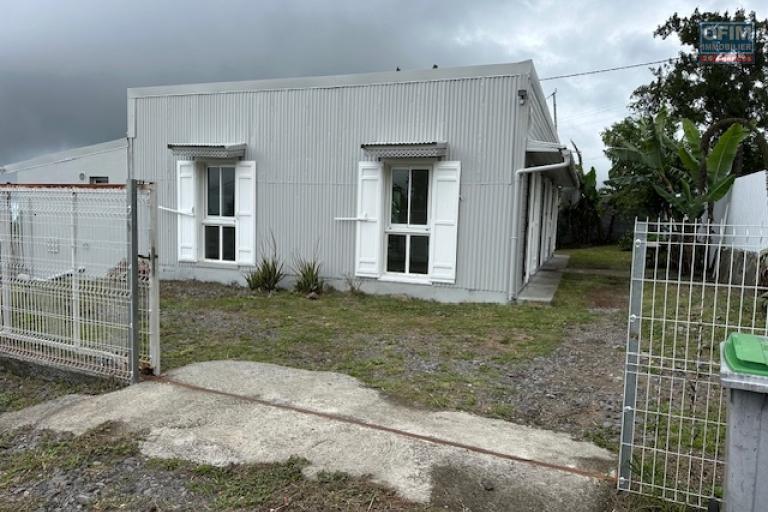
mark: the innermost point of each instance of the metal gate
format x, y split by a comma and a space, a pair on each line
692, 284
78, 277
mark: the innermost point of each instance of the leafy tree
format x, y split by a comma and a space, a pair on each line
624, 193
711, 93
583, 216
684, 173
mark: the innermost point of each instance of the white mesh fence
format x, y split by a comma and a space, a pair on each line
692, 285
65, 278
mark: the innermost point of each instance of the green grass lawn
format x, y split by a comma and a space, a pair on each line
602, 257
420, 352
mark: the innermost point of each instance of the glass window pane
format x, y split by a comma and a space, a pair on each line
228, 191
419, 196
396, 253
419, 258
399, 196
213, 191
228, 243
211, 242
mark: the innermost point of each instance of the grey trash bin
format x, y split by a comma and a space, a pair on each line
744, 372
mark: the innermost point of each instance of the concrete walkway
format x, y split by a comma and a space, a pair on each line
543, 285
224, 412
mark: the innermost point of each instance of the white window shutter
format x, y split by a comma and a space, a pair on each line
186, 196
444, 222
245, 213
368, 236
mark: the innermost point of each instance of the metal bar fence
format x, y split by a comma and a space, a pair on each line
66, 293
691, 285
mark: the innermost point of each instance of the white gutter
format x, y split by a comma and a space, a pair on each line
514, 263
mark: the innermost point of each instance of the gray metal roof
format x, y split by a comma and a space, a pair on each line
69, 154
511, 69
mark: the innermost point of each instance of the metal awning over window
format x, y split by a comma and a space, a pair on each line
192, 151
406, 149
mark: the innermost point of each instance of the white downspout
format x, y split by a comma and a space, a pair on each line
514, 264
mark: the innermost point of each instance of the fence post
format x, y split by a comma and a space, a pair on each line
633, 346
154, 285
76, 334
133, 280
5, 255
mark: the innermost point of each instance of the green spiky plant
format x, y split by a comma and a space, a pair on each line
308, 275
268, 273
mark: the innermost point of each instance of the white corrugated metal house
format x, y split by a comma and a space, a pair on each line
99, 163
440, 183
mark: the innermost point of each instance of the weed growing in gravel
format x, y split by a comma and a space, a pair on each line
98, 458
53, 453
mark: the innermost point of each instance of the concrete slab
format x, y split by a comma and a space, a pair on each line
210, 427
543, 285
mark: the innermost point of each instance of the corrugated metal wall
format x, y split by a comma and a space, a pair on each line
540, 127
306, 144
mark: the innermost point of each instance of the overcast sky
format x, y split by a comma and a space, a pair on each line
65, 65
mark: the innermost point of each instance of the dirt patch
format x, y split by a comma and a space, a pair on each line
606, 298
578, 387
461, 488
186, 290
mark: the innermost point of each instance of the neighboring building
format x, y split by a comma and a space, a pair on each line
440, 184
100, 163
745, 210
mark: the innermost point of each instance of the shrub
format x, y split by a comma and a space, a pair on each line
308, 275
268, 273
626, 241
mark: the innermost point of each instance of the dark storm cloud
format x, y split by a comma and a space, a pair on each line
64, 66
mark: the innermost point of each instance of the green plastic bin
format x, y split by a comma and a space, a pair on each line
744, 372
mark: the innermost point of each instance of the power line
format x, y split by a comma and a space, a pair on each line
606, 70
591, 113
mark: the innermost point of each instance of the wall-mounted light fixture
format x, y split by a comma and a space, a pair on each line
522, 96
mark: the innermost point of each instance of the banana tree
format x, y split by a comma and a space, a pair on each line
708, 177
683, 172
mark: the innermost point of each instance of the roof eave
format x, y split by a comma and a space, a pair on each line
333, 81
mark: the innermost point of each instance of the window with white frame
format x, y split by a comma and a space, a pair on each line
219, 221
216, 212
407, 234
407, 221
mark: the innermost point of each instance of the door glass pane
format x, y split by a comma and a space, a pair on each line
211, 242
419, 196
228, 243
213, 191
228, 191
399, 196
396, 253
419, 258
